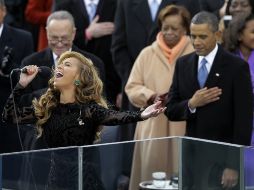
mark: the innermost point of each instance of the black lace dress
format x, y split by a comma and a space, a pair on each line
69, 125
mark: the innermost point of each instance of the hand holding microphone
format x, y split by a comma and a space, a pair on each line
28, 73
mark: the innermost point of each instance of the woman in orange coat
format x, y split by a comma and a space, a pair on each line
149, 81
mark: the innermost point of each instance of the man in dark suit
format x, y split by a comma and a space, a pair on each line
212, 91
94, 35
15, 44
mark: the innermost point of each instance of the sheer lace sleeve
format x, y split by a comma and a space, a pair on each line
24, 114
104, 116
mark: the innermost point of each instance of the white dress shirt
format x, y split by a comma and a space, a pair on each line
150, 2
56, 57
209, 58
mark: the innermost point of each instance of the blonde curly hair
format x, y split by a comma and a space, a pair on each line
89, 89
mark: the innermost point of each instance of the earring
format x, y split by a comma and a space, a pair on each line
77, 82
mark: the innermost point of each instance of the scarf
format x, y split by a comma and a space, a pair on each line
171, 53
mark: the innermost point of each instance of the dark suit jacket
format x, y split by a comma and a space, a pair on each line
134, 30
98, 46
230, 118
22, 44
211, 6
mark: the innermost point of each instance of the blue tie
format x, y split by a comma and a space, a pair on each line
92, 11
154, 8
202, 73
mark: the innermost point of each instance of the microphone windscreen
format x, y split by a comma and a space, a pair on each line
41, 79
45, 71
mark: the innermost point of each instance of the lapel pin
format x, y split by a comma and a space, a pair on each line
217, 74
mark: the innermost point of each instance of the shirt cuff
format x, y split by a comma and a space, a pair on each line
191, 110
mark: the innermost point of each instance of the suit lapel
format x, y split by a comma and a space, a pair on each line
142, 11
217, 69
83, 10
105, 9
192, 69
5, 38
49, 58
100, 7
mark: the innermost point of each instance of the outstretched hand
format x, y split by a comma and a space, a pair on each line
153, 110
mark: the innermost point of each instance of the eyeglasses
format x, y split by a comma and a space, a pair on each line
56, 40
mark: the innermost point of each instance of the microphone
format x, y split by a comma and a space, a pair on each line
7, 62
43, 71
